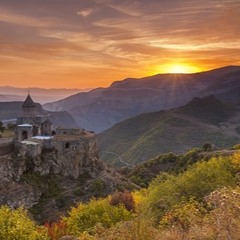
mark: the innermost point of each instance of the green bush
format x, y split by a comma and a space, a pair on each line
199, 180
85, 217
236, 147
207, 147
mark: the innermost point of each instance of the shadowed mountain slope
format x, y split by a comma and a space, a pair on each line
177, 130
101, 108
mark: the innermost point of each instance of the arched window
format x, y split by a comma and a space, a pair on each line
67, 145
24, 135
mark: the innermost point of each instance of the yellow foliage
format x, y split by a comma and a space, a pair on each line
85, 216
183, 215
15, 225
139, 196
235, 161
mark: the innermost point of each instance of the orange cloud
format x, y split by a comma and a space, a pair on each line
92, 43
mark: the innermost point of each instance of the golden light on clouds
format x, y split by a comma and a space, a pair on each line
87, 44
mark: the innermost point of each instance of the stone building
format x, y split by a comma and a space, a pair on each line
72, 147
30, 124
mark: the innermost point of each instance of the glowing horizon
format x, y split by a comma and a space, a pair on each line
174, 68
89, 44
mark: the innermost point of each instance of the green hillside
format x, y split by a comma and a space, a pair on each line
177, 130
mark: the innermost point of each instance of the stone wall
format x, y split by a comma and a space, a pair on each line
6, 148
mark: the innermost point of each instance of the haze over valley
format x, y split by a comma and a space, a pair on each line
41, 95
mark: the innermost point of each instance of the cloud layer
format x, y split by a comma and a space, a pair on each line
79, 43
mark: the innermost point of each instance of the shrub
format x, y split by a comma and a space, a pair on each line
207, 147
236, 147
198, 181
56, 230
124, 198
2, 128
183, 215
85, 216
15, 225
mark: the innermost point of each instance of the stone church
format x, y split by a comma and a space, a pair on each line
31, 124
69, 151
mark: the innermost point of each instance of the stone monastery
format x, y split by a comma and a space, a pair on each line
35, 133
30, 124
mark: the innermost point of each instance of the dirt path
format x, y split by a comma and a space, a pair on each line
120, 159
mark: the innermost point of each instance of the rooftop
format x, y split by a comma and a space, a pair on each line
25, 125
73, 137
42, 137
29, 143
29, 102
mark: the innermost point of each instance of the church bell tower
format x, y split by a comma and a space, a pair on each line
29, 108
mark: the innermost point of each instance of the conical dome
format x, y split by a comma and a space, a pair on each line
28, 102
29, 108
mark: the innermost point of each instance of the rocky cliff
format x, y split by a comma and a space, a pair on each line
51, 182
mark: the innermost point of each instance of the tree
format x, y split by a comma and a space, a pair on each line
124, 198
11, 126
16, 225
198, 181
207, 147
86, 216
2, 128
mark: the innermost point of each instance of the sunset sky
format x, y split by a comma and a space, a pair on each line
91, 43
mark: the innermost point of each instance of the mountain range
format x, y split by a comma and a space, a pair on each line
140, 118
41, 95
101, 108
202, 120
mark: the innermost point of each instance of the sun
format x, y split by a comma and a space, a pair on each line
181, 68
177, 68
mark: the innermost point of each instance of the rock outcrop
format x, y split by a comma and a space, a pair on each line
49, 183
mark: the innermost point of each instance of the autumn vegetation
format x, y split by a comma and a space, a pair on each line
200, 201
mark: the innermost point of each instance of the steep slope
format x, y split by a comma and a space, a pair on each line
208, 109
51, 182
177, 130
145, 172
101, 108
230, 96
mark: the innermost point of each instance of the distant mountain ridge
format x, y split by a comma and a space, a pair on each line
177, 130
41, 95
101, 108
8, 98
